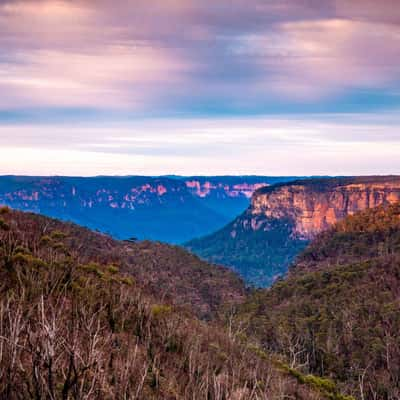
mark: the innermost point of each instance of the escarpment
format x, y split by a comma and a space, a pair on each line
315, 206
262, 242
168, 209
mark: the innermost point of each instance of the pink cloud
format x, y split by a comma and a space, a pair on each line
58, 55
146, 54
308, 60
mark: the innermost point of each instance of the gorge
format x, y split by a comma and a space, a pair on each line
171, 209
263, 241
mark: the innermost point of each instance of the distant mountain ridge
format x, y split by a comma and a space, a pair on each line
281, 220
170, 209
228, 195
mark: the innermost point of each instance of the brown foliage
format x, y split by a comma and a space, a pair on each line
75, 325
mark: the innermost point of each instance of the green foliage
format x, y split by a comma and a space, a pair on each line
325, 386
127, 280
372, 233
260, 256
113, 269
29, 260
58, 235
93, 268
160, 310
45, 240
21, 250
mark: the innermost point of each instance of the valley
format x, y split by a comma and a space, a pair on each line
168, 209
281, 220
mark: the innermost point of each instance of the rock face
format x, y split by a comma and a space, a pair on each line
229, 196
263, 241
169, 209
316, 206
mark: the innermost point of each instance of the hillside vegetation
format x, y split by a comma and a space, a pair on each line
338, 312
85, 317
260, 255
168, 271
366, 235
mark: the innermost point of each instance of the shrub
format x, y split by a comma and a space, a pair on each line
3, 225
160, 310
113, 269
58, 235
4, 210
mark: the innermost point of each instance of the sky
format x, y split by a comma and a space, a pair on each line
152, 87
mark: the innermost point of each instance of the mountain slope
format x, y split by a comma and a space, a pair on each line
259, 250
362, 236
157, 208
165, 270
282, 219
338, 312
75, 324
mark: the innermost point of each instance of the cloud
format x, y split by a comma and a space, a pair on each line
310, 60
383, 11
116, 77
185, 56
328, 144
168, 70
57, 54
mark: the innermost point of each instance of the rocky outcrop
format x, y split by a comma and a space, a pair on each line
263, 241
315, 206
205, 188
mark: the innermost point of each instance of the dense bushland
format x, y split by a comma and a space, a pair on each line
77, 322
249, 251
338, 312
372, 233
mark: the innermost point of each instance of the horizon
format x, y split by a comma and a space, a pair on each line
172, 176
188, 88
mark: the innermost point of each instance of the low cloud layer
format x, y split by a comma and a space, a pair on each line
315, 145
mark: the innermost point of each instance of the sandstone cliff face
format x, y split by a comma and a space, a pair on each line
222, 189
263, 242
313, 209
122, 192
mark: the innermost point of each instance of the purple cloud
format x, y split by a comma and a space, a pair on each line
146, 56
